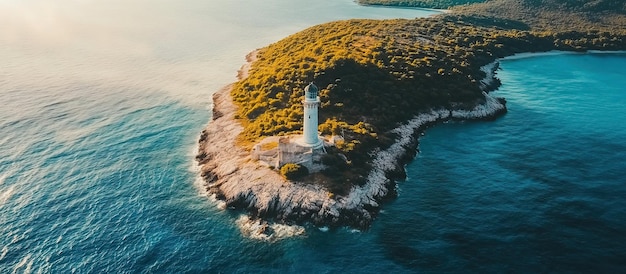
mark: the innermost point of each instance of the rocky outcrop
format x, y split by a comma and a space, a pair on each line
233, 177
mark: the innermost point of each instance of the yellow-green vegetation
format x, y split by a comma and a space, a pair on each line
293, 171
374, 75
435, 4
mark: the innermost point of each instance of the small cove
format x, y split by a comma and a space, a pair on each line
538, 189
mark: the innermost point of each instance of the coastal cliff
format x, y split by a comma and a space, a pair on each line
233, 177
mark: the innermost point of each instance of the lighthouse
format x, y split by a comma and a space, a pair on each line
306, 149
310, 103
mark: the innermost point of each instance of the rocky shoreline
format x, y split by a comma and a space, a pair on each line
241, 183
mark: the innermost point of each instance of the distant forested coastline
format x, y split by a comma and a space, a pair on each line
551, 5
434, 4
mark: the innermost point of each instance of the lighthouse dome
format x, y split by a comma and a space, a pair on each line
311, 91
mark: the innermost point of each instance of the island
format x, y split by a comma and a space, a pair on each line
377, 85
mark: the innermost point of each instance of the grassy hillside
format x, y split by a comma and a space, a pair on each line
374, 75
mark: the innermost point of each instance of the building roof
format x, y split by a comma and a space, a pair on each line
311, 88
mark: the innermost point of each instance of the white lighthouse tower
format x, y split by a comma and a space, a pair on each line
311, 103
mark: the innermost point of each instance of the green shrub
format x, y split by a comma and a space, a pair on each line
293, 171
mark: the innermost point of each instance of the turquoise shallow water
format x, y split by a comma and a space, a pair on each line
99, 119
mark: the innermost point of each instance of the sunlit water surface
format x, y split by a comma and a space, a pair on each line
102, 102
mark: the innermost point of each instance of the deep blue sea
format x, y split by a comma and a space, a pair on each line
103, 101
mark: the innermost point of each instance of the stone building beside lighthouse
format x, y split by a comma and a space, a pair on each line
305, 149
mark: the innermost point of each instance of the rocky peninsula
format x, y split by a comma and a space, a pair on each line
242, 183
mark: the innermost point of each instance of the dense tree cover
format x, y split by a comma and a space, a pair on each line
435, 4
374, 75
